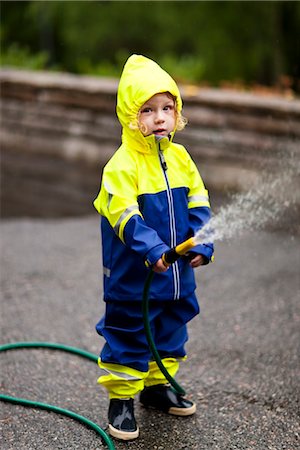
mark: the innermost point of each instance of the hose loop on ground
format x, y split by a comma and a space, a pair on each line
65, 412
94, 358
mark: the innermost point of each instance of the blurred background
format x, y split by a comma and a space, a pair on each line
201, 42
237, 63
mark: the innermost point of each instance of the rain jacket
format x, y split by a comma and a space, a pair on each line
151, 198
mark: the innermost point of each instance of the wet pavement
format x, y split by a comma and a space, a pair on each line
243, 365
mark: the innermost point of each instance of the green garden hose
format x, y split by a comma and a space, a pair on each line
168, 258
51, 345
46, 406
94, 358
65, 412
155, 354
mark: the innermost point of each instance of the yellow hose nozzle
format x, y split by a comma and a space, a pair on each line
181, 249
185, 246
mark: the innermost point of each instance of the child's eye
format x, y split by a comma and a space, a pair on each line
168, 107
146, 110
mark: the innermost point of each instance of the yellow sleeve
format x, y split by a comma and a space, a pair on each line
117, 199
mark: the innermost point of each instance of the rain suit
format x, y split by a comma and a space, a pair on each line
151, 198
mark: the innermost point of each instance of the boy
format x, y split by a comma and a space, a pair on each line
151, 199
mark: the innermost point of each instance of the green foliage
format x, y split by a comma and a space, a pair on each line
185, 68
194, 40
16, 56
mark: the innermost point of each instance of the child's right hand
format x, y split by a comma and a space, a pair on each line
159, 266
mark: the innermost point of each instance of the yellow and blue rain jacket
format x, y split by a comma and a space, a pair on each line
151, 198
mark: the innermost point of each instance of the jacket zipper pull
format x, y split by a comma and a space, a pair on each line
162, 160
163, 163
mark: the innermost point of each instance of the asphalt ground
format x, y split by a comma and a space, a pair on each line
243, 364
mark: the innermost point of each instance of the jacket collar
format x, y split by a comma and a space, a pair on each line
145, 144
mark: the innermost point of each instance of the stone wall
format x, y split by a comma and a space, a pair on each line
58, 130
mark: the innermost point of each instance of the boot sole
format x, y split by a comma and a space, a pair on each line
174, 411
182, 411
124, 435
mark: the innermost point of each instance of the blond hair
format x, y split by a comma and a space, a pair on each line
181, 121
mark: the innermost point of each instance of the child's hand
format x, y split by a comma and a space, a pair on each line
197, 261
159, 266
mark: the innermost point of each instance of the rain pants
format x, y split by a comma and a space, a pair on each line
151, 198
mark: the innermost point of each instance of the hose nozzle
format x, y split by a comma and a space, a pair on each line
181, 249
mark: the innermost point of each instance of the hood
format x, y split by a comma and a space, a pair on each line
140, 80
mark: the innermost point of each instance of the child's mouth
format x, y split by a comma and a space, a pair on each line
160, 131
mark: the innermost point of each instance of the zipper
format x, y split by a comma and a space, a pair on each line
172, 223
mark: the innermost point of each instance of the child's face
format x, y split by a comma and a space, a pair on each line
158, 116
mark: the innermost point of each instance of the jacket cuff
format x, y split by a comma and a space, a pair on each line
155, 253
205, 250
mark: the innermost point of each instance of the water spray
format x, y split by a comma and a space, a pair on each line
256, 208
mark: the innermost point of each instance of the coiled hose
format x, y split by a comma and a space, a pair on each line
94, 358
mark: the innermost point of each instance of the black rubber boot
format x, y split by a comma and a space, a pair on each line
122, 424
164, 398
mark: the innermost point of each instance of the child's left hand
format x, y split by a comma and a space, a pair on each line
159, 266
197, 261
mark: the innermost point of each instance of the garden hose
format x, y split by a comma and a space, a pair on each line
155, 354
65, 412
46, 406
51, 345
168, 258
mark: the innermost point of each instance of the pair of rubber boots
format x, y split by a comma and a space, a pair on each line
122, 424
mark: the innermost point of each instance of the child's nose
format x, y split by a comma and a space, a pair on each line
159, 116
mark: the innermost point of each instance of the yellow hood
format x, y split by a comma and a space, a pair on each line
140, 80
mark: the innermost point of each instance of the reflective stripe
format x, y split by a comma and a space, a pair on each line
198, 198
125, 376
107, 187
175, 268
120, 371
123, 216
106, 272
